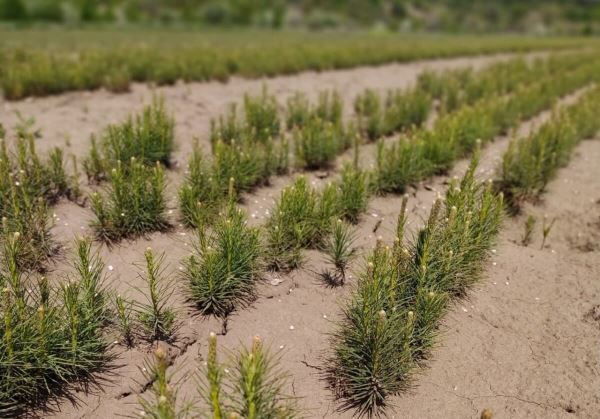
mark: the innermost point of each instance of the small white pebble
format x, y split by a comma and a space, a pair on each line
281, 346
552, 251
494, 263
324, 316
494, 251
66, 224
116, 342
506, 282
465, 310
292, 327
181, 268
170, 211
494, 283
374, 215
110, 267
537, 298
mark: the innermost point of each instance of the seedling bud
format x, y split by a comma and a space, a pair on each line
160, 353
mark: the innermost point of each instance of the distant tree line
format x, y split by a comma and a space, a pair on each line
396, 14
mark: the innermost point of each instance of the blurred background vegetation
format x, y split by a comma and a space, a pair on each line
531, 16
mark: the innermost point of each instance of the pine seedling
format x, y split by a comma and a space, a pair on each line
200, 196
298, 111
546, 228
354, 192
163, 405
291, 226
51, 335
316, 144
133, 205
225, 265
258, 385
155, 315
211, 390
528, 232
262, 119
368, 109
148, 137
94, 165
125, 320
252, 388
340, 251
227, 128
330, 107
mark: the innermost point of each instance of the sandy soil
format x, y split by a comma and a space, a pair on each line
525, 344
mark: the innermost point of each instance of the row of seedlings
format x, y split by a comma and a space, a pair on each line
429, 151
392, 318
531, 162
28, 186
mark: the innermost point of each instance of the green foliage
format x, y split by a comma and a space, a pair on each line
51, 334
339, 250
223, 270
528, 230
300, 112
404, 109
200, 196
302, 218
133, 204
369, 111
28, 186
260, 122
391, 320
125, 320
354, 192
13, 10
156, 317
245, 163
531, 162
317, 143
253, 389
147, 137
546, 229
456, 134
83, 60
163, 405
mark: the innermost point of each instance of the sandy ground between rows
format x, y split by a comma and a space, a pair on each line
522, 345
